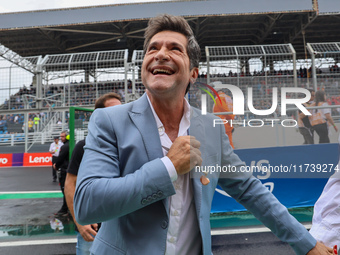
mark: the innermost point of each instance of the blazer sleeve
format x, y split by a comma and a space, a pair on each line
249, 191
101, 192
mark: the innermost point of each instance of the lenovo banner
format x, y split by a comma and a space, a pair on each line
5, 160
37, 159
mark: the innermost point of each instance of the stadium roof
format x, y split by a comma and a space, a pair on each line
215, 23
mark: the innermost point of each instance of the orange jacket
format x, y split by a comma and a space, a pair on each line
226, 106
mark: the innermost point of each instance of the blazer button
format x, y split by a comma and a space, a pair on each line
154, 196
164, 224
160, 194
149, 199
143, 201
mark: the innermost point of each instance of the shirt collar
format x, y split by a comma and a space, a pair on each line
185, 121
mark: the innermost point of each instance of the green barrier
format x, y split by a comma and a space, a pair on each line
72, 125
31, 195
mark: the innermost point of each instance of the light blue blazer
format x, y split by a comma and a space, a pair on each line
123, 183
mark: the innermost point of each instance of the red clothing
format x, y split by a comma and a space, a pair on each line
226, 106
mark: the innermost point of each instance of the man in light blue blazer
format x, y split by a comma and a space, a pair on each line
138, 173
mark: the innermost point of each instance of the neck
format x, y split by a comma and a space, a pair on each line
170, 113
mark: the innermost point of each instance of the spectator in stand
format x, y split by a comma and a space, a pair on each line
5, 121
85, 234
36, 120
2, 124
11, 119
30, 125
321, 117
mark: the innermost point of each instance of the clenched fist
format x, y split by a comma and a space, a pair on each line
185, 154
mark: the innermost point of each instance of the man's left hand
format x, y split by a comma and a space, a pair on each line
88, 232
321, 249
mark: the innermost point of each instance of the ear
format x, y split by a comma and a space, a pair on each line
193, 75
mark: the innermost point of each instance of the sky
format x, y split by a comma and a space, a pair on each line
7, 6
30, 5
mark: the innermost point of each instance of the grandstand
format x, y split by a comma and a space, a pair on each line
295, 45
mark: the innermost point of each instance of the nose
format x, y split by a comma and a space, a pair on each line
162, 54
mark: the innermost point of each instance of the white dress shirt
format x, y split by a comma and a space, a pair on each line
56, 148
183, 236
326, 218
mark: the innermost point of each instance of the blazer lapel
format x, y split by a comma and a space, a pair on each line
197, 130
142, 116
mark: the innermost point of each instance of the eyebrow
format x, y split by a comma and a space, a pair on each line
173, 44
177, 45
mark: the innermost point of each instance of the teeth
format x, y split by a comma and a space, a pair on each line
156, 71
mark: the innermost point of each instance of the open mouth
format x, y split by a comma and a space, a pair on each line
162, 71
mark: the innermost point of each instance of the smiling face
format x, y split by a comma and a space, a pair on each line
166, 66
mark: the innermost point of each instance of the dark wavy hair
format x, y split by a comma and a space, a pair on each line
100, 102
166, 22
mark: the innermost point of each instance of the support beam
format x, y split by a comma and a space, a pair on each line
55, 40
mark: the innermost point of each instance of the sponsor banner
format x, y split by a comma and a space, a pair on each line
5, 160
299, 191
37, 159
18, 159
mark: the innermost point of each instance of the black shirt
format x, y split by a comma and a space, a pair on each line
63, 159
77, 156
73, 167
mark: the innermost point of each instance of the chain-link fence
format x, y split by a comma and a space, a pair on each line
136, 61
325, 65
259, 67
78, 79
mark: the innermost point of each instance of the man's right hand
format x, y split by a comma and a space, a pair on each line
88, 232
321, 249
185, 154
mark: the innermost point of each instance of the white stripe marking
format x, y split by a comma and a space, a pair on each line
29, 192
74, 240
247, 230
38, 242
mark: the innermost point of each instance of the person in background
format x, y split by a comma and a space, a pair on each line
85, 234
60, 165
305, 127
226, 105
36, 120
54, 150
321, 117
30, 125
